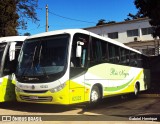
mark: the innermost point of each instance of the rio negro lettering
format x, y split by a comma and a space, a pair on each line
122, 73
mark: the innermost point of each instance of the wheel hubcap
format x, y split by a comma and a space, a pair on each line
136, 90
94, 96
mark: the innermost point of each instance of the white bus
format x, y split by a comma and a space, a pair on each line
73, 66
9, 51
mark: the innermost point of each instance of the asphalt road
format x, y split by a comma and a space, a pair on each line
110, 109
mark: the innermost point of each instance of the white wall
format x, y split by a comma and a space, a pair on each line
122, 28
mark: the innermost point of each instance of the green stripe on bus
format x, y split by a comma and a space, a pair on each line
112, 89
88, 84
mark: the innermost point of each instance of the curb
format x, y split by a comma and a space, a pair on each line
150, 95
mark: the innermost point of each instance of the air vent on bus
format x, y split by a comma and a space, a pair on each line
41, 91
36, 98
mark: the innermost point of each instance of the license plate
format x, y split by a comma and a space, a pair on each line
33, 97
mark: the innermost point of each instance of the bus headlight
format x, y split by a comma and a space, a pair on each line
58, 88
18, 89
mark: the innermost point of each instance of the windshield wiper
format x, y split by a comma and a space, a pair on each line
27, 66
34, 56
43, 69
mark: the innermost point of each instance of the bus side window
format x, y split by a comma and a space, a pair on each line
10, 66
105, 57
133, 59
123, 56
96, 51
79, 61
111, 52
7, 64
117, 55
139, 60
127, 57
144, 62
114, 54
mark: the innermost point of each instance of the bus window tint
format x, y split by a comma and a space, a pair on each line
123, 56
79, 61
145, 62
133, 59
124, 60
104, 51
10, 66
113, 53
96, 50
117, 58
99, 51
139, 60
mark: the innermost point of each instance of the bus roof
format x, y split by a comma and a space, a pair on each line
73, 31
12, 38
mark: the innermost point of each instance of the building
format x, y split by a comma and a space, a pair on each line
133, 33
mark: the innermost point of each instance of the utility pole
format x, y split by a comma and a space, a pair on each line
46, 18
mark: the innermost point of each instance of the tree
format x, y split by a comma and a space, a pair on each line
26, 9
14, 15
27, 34
8, 18
136, 16
103, 21
150, 8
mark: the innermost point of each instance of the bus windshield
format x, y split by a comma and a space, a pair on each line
43, 58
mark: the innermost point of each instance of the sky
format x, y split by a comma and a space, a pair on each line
67, 14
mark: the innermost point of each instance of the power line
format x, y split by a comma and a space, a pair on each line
61, 17
36, 28
70, 18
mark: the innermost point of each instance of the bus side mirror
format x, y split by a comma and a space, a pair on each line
12, 51
79, 48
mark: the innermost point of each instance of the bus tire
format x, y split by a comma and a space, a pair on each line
136, 90
95, 95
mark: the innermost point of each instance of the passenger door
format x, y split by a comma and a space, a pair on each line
78, 67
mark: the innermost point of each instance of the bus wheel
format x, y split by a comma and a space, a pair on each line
136, 90
95, 95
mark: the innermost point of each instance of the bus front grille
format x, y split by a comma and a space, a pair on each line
41, 91
37, 98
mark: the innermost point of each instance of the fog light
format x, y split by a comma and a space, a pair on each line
18, 89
